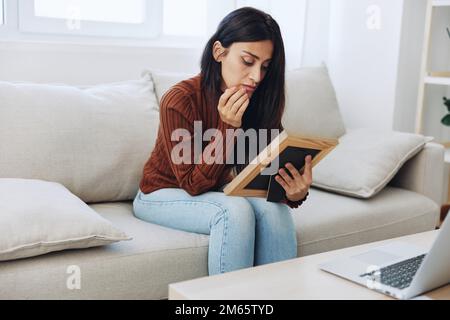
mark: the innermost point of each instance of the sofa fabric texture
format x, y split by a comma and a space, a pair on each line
37, 217
95, 141
157, 256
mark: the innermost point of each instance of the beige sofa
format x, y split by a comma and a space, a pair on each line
156, 256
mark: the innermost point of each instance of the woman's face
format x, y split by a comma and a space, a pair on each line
244, 64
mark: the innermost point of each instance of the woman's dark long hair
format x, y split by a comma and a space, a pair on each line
250, 25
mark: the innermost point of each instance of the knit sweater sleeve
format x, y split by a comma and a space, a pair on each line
294, 204
195, 173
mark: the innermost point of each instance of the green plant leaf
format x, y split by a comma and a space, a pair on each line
446, 120
447, 103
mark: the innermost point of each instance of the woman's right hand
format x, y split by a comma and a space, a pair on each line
232, 105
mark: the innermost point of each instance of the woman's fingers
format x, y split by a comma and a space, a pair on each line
242, 109
307, 174
306, 177
285, 176
239, 103
226, 96
235, 97
232, 105
294, 172
297, 186
282, 183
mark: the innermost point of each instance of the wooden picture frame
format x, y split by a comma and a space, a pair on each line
242, 184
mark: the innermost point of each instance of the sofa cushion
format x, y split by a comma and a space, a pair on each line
157, 256
38, 217
311, 105
365, 160
93, 140
138, 269
329, 221
163, 80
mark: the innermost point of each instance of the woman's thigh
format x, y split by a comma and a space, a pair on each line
272, 217
175, 208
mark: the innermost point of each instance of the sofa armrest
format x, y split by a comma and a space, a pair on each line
424, 173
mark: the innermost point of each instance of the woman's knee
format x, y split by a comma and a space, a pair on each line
237, 211
270, 210
278, 215
137, 206
140, 209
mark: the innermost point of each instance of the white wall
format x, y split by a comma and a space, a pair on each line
317, 26
88, 64
375, 72
363, 61
291, 17
409, 70
25, 59
409, 63
439, 60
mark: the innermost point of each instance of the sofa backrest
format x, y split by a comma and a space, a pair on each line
311, 105
93, 140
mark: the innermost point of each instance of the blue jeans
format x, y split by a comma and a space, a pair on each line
243, 231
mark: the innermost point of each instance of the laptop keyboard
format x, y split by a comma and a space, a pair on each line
398, 275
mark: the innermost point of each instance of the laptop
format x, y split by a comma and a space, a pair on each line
398, 269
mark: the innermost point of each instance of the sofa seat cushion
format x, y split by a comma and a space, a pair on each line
327, 221
138, 269
143, 267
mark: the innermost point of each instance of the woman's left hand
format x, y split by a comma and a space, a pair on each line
296, 187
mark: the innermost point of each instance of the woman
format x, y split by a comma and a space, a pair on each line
241, 85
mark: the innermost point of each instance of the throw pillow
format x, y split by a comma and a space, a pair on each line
94, 140
37, 217
365, 161
311, 105
164, 80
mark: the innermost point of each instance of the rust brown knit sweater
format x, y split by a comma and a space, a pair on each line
183, 104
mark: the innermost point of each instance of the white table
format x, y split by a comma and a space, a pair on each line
294, 279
